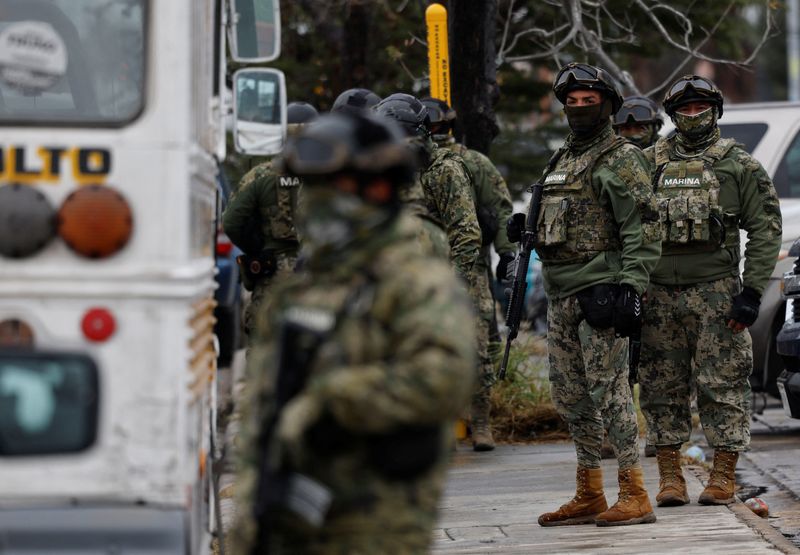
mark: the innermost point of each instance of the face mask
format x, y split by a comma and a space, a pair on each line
696, 125
642, 139
583, 120
330, 220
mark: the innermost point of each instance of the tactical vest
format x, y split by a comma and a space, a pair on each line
687, 193
573, 226
281, 212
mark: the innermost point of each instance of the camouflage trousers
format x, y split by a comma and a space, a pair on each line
686, 344
484, 305
286, 264
589, 384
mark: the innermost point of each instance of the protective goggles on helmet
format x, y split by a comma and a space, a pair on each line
699, 84
580, 74
575, 75
635, 111
691, 88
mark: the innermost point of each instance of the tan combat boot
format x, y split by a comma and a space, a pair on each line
633, 505
482, 439
671, 486
589, 501
722, 483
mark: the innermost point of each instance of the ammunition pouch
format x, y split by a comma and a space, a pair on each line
597, 304
489, 224
399, 455
256, 268
406, 453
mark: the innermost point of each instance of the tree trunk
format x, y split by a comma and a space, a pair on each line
355, 44
474, 88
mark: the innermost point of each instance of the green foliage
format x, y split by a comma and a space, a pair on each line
522, 409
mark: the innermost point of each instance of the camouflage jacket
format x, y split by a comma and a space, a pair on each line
620, 182
492, 198
394, 352
448, 194
260, 214
748, 201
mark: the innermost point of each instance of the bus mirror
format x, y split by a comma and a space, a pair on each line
259, 109
255, 30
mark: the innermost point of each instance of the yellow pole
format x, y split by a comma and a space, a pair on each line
438, 54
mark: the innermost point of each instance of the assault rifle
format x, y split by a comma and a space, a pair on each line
279, 487
519, 285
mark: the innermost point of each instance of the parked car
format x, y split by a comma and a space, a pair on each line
770, 131
228, 295
789, 338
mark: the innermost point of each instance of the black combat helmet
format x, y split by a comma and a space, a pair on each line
361, 144
575, 76
407, 111
638, 109
300, 112
692, 88
355, 100
441, 114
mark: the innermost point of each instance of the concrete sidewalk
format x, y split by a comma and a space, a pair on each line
492, 501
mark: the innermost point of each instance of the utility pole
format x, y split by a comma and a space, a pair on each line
793, 48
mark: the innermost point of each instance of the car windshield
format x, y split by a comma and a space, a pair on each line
749, 134
75, 62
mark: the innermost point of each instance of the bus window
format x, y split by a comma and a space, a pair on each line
71, 61
48, 403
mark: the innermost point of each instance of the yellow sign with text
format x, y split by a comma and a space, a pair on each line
438, 53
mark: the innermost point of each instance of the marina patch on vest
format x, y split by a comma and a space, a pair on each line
687, 181
556, 178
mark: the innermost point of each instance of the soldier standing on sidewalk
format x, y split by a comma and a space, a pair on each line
492, 206
362, 365
446, 190
699, 307
598, 237
260, 220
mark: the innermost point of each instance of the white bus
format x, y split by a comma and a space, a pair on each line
111, 131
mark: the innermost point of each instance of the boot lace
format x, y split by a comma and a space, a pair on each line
625, 482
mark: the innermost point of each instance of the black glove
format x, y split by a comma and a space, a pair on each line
745, 307
501, 273
515, 226
627, 311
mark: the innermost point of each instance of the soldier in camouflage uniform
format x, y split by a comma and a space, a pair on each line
492, 205
598, 237
362, 366
444, 193
638, 121
260, 220
698, 310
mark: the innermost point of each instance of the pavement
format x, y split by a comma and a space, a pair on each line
492, 500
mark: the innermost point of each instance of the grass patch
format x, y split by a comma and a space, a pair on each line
522, 410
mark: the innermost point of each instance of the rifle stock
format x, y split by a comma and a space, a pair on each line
519, 284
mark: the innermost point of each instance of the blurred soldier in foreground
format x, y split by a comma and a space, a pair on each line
362, 365
699, 307
492, 206
598, 237
446, 190
260, 220
638, 121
